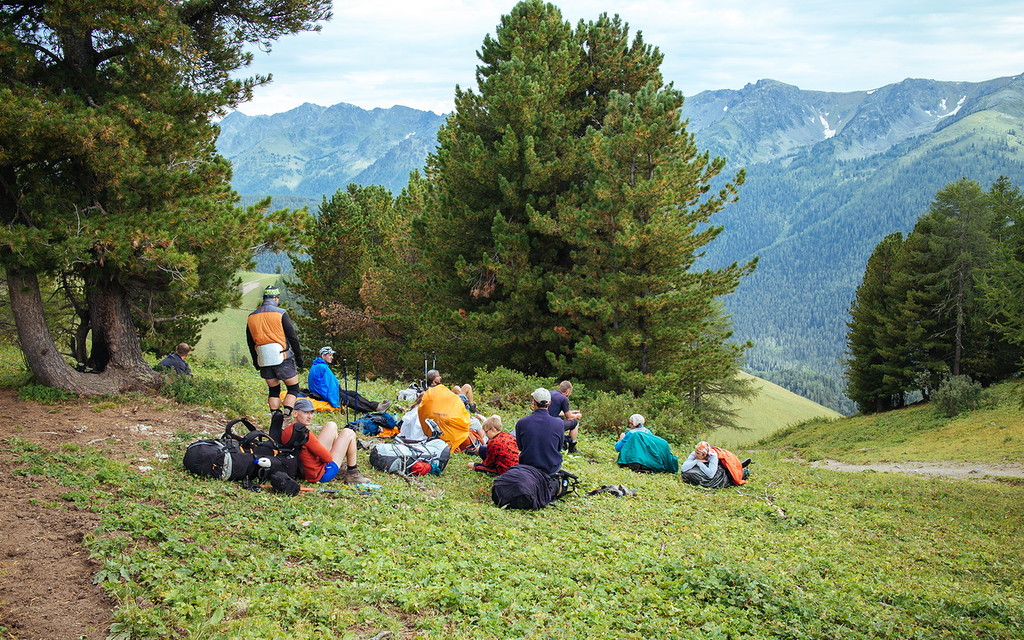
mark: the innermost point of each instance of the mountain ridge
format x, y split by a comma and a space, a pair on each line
828, 174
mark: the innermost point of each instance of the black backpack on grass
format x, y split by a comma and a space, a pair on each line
526, 487
250, 459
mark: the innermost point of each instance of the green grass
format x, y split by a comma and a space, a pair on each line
772, 409
796, 553
991, 434
848, 556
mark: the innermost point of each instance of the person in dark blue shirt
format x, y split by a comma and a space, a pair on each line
559, 407
540, 435
175, 360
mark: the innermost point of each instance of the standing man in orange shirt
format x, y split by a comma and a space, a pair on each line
275, 351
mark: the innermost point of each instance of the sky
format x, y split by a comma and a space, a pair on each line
381, 53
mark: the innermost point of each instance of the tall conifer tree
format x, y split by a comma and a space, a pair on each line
873, 340
108, 172
567, 205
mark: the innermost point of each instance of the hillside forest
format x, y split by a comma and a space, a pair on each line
940, 309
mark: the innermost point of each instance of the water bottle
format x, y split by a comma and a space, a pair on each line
367, 486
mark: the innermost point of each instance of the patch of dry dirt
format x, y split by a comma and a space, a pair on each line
46, 587
966, 470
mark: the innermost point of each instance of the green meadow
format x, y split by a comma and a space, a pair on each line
797, 552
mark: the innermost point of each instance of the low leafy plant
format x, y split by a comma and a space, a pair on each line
216, 393
957, 394
44, 395
504, 388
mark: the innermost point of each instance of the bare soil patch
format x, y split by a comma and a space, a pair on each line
963, 470
46, 576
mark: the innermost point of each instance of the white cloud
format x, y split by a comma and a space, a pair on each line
387, 52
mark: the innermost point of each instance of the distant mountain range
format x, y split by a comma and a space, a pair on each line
828, 175
313, 151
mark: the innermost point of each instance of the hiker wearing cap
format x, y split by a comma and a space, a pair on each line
559, 407
540, 435
642, 451
323, 454
713, 467
324, 385
274, 347
175, 361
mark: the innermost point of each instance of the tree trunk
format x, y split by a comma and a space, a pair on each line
127, 370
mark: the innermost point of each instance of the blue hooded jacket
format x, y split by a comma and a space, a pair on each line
324, 383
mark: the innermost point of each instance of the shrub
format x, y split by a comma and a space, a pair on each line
607, 412
44, 395
214, 393
504, 388
957, 394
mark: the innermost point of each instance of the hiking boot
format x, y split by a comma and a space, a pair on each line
353, 476
572, 447
472, 407
746, 462
383, 406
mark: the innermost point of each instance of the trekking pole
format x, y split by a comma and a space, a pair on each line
424, 371
433, 365
356, 412
344, 401
306, 489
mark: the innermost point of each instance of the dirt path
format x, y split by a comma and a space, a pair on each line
46, 587
965, 470
249, 286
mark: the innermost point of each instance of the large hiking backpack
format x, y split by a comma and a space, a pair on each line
254, 457
526, 487
399, 456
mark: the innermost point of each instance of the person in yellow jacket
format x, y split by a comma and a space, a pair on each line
446, 408
275, 351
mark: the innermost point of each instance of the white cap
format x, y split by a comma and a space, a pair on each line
541, 395
636, 420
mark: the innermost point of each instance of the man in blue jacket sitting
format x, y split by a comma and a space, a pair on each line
324, 385
540, 435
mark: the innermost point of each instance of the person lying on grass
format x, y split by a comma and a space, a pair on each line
713, 467
501, 450
319, 458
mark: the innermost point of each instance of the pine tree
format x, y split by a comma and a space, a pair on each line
873, 340
109, 179
356, 281
566, 211
1003, 281
504, 162
942, 326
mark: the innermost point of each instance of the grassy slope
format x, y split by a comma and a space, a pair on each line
992, 434
796, 553
773, 408
225, 336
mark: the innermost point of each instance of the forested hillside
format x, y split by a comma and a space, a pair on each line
828, 176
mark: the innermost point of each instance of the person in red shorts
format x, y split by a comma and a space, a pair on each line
501, 450
321, 455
